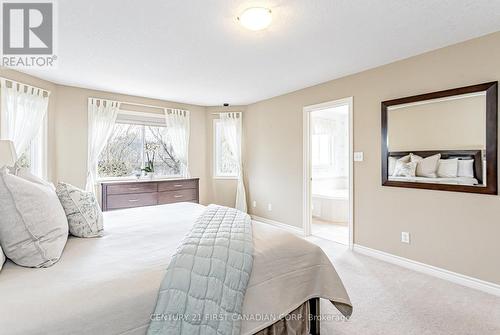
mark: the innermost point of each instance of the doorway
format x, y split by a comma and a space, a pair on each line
328, 171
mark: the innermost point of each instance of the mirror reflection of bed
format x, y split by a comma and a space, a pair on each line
438, 141
454, 167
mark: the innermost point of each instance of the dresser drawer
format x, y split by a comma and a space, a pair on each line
177, 196
177, 185
132, 200
132, 188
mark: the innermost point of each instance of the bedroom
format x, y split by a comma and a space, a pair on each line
117, 83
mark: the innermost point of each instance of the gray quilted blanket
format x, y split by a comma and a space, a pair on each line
205, 283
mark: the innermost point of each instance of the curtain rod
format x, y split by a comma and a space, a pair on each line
219, 113
146, 105
20, 83
139, 104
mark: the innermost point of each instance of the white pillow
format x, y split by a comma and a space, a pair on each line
405, 169
82, 210
426, 167
448, 168
2, 258
393, 161
26, 174
466, 168
33, 226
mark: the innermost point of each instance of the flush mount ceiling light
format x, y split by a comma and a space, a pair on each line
256, 18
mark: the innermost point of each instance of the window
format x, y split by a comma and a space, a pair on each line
225, 162
131, 145
322, 150
34, 158
330, 142
23, 118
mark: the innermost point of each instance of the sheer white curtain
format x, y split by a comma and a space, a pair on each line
177, 122
231, 129
23, 109
101, 119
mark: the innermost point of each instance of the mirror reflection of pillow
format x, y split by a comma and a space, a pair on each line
448, 168
466, 168
393, 161
426, 167
405, 169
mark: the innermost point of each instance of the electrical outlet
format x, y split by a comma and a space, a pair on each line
270, 207
405, 237
254, 204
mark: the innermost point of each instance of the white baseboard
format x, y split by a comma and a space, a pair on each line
292, 229
454, 277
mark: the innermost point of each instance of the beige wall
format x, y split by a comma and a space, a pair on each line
457, 124
222, 191
51, 111
71, 134
455, 231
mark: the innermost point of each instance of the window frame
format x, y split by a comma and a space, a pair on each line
143, 123
215, 153
39, 151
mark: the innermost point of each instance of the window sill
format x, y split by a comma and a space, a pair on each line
225, 178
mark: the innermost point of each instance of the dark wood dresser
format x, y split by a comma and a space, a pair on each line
128, 194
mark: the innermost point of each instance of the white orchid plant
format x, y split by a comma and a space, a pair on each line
150, 148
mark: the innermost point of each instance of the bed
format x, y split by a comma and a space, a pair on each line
109, 285
453, 181
475, 155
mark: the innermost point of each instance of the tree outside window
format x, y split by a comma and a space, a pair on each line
125, 154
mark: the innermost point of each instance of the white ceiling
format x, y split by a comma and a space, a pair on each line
194, 51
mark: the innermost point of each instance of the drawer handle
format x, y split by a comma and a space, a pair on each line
178, 185
133, 200
133, 188
178, 196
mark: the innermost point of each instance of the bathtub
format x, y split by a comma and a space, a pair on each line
331, 205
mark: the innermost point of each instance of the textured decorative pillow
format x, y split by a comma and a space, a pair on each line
393, 161
448, 168
82, 210
33, 226
426, 167
466, 168
405, 169
2, 258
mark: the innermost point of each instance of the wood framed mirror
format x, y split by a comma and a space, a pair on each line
444, 140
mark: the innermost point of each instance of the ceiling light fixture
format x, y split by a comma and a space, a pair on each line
256, 18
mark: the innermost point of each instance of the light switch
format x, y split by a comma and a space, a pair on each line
358, 156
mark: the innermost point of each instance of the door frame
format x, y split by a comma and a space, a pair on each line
306, 193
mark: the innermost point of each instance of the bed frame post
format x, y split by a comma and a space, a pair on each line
314, 316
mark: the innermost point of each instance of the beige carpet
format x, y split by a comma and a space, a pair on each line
389, 299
